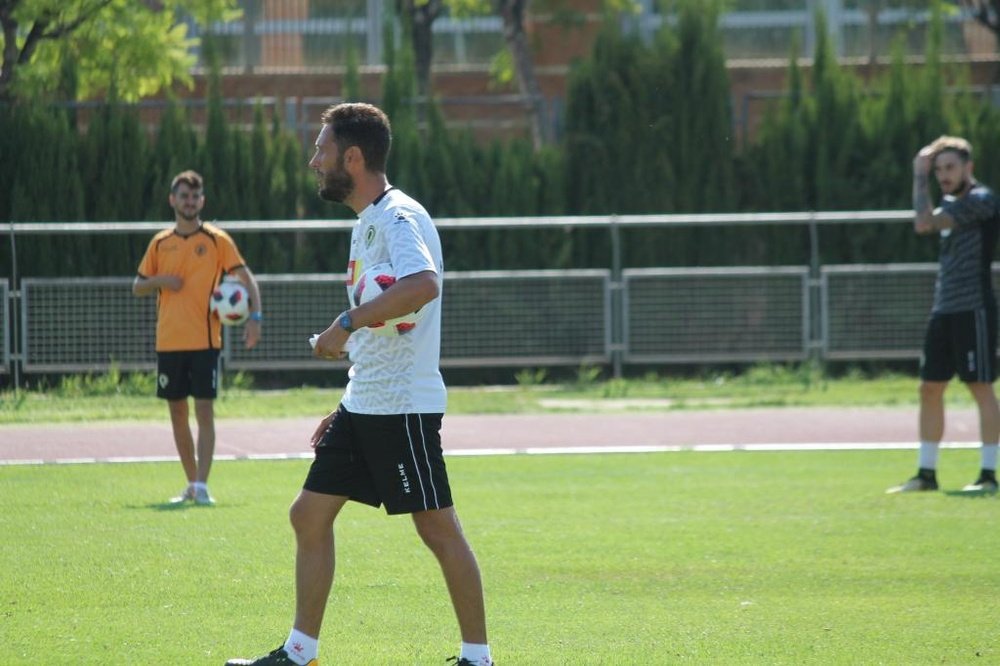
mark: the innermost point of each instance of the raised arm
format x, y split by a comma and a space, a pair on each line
926, 219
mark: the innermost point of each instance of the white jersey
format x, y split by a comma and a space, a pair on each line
400, 374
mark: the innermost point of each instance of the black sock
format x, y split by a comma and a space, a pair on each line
927, 474
990, 474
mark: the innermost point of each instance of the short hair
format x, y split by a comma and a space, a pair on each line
365, 126
190, 178
954, 144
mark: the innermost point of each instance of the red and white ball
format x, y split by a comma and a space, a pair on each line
231, 303
372, 282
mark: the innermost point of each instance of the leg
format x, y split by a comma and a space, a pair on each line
932, 411
989, 411
183, 439
442, 533
312, 515
204, 412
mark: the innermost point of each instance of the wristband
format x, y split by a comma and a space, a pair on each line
344, 321
257, 316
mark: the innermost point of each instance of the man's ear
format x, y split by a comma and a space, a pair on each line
354, 157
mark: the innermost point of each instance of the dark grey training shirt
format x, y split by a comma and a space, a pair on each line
963, 281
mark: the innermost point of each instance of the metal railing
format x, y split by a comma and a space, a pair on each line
614, 317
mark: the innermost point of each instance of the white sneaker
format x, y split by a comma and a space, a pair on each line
202, 497
187, 495
981, 485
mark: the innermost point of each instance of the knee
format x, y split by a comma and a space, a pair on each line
302, 519
442, 538
932, 391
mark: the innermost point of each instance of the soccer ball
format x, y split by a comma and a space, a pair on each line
373, 282
231, 303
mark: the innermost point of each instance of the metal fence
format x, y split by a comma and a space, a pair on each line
612, 317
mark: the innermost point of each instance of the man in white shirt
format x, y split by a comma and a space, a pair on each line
382, 445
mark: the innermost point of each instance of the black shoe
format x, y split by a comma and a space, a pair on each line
914, 485
462, 662
277, 658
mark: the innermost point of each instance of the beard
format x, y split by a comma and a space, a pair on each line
962, 186
190, 217
336, 185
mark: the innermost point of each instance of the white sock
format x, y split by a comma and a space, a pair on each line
199, 485
477, 653
301, 648
928, 455
989, 454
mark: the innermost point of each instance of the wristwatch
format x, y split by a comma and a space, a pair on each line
344, 321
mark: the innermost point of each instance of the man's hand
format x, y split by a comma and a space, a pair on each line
251, 333
171, 282
321, 429
923, 162
330, 343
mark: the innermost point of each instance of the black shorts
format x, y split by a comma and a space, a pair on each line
183, 373
961, 342
395, 460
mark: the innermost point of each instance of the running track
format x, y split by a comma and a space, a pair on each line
765, 429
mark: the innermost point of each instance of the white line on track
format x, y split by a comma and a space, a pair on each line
548, 450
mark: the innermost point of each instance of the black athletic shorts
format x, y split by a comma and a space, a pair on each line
961, 342
395, 460
181, 374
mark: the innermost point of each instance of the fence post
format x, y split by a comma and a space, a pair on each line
815, 336
617, 299
13, 305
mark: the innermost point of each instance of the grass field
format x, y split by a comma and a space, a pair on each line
109, 397
708, 558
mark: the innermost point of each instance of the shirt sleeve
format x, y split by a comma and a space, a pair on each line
408, 251
147, 267
229, 254
978, 206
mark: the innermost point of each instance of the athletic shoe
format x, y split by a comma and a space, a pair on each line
202, 497
464, 662
276, 658
984, 484
187, 495
914, 485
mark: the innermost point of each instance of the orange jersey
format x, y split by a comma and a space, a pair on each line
184, 321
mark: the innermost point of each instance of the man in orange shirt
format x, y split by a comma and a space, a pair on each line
183, 265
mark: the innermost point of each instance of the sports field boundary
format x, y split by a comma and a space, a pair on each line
759, 429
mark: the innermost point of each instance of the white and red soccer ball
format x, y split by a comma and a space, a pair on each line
372, 282
231, 303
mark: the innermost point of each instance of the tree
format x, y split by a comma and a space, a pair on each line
512, 12
136, 47
418, 19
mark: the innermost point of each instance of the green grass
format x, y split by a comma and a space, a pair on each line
109, 398
721, 558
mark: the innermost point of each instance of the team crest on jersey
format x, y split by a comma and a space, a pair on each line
200, 250
370, 235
